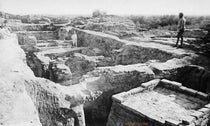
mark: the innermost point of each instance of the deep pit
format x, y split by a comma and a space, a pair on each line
73, 86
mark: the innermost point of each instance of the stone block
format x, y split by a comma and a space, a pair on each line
171, 84
188, 91
202, 95
170, 122
207, 106
197, 114
188, 120
204, 110
63, 74
151, 83
136, 90
118, 98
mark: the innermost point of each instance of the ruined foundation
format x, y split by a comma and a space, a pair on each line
105, 81
160, 102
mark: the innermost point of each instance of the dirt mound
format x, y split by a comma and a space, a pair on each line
114, 25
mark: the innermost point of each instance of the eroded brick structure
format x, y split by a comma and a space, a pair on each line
160, 103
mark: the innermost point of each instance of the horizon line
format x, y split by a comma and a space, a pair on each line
51, 14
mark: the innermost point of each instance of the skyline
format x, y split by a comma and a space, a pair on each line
118, 7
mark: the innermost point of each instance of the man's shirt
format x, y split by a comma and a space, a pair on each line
181, 23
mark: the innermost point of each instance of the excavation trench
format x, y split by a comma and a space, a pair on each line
108, 65
97, 50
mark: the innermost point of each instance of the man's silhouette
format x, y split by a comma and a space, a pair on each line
74, 39
181, 28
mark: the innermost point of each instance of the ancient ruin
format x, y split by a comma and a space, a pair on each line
160, 102
115, 77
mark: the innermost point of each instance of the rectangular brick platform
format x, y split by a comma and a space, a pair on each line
160, 102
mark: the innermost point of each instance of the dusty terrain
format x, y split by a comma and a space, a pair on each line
52, 83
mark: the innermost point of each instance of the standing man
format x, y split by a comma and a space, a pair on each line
74, 39
181, 28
